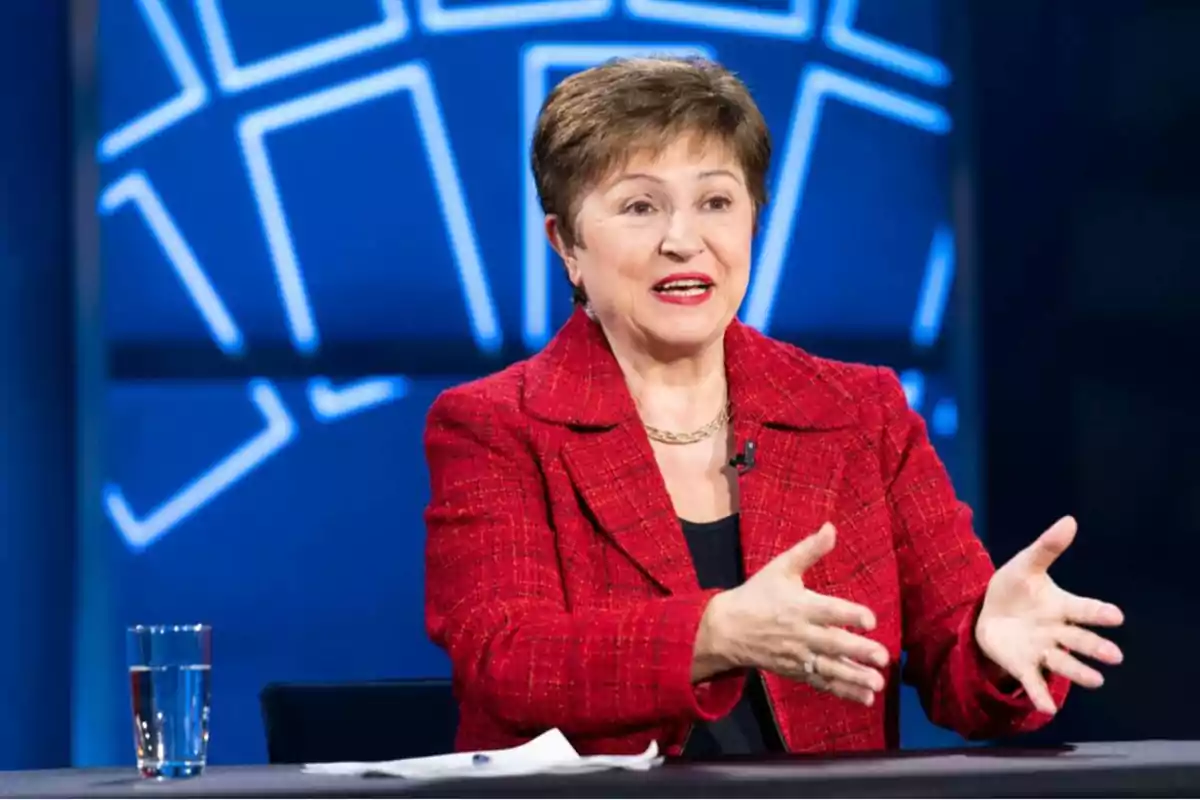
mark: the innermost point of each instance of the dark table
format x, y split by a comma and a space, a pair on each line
1156, 768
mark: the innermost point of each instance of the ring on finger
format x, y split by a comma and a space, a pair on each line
810, 666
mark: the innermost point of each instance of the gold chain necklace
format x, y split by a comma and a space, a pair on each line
698, 435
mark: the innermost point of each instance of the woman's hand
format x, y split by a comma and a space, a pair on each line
773, 622
1028, 624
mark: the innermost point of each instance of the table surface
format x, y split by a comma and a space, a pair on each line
1150, 768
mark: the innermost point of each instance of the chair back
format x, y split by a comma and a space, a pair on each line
308, 723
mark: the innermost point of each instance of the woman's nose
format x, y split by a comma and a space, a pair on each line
682, 239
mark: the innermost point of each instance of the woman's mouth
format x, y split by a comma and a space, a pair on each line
684, 289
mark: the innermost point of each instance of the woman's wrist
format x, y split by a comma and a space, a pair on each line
711, 655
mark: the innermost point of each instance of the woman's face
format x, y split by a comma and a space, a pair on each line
663, 247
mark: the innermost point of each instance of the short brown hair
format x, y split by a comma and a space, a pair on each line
595, 119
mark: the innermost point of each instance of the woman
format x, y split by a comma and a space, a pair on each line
631, 535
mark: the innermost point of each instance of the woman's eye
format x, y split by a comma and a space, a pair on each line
718, 203
639, 207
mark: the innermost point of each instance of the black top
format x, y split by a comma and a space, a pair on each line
749, 729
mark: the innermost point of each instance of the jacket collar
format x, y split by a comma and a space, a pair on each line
576, 381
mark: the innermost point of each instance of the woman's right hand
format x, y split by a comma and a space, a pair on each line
772, 622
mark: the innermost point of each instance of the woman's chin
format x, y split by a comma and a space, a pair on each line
685, 335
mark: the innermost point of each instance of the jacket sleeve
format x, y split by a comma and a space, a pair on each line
944, 573
495, 602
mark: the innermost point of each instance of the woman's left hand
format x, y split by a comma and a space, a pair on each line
1028, 623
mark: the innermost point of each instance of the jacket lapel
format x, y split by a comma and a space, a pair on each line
790, 493
796, 413
576, 382
615, 473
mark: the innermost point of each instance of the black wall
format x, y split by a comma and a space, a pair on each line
1088, 214
37, 487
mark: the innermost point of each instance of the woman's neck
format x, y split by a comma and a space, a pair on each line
682, 393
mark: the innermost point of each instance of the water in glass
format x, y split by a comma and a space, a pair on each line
171, 680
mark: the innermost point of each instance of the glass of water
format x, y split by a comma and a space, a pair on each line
170, 669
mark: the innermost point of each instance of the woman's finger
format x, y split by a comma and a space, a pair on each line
822, 609
842, 689
1035, 686
1089, 611
850, 672
1039, 556
1065, 664
1088, 643
835, 642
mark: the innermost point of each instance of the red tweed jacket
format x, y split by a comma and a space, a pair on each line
560, 584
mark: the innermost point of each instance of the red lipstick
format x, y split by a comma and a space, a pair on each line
684, 288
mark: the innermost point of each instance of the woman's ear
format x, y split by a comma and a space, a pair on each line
554, 234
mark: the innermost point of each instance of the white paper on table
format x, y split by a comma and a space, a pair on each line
548, 753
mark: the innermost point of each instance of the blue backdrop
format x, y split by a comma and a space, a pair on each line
317, 215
